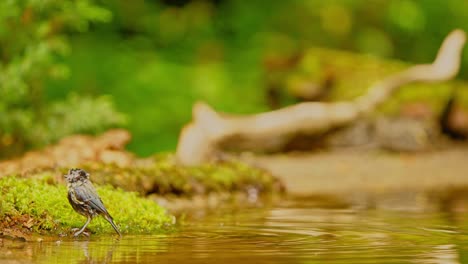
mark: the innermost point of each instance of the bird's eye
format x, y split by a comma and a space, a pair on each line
82, 173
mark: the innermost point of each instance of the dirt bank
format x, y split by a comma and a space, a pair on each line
351, 171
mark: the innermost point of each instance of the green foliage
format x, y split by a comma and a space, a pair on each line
47, 205
33, 41
218, 51
78, 113
156, 58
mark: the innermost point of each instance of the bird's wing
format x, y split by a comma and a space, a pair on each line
75, 203
87, 194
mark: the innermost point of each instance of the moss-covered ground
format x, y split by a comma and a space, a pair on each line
161, 175
36, 203
31, 207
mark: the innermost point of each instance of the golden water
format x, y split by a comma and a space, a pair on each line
291, 231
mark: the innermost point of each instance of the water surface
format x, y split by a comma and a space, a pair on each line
291, 231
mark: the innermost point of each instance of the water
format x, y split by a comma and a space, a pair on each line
291, 231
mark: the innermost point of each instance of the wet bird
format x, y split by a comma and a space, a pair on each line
84, 198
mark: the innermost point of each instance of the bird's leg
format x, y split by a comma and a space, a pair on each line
83, 228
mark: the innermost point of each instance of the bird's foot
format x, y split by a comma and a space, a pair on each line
79, 233
86, 234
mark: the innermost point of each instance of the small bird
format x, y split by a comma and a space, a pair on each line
84, 198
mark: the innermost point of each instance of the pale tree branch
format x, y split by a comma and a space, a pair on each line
210, 131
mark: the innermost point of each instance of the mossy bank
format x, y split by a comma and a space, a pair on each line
161, 175
35, 204
31, 207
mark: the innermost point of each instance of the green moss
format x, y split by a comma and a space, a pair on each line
161, 175
37, 206
353, 74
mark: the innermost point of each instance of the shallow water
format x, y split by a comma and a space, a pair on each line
291, 231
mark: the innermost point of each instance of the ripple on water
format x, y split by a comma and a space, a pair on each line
292, 232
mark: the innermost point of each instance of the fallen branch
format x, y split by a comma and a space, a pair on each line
210, 131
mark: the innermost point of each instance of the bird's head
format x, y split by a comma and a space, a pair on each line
76, 175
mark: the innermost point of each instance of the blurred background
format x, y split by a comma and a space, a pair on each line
88, 65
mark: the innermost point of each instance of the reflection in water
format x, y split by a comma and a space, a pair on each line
294, 231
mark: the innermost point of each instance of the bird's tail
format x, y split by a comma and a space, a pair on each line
109, 219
